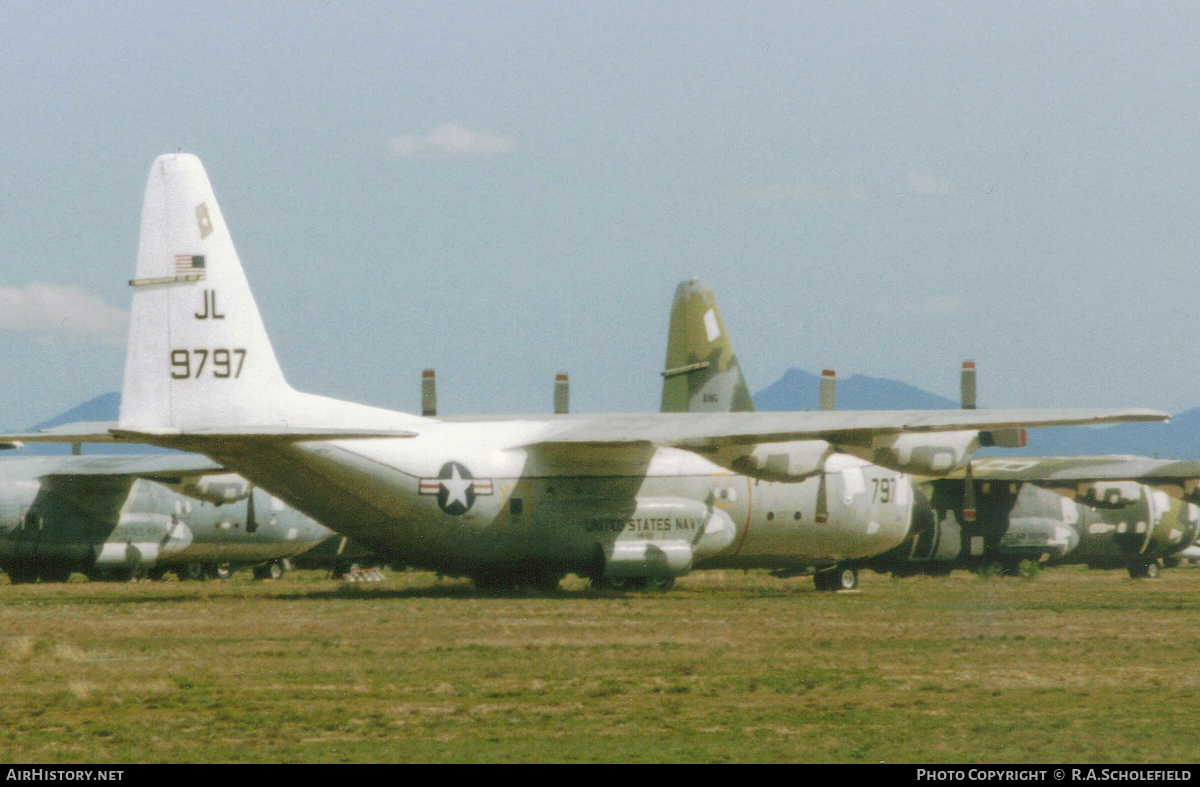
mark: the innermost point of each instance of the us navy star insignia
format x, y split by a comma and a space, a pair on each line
455, 488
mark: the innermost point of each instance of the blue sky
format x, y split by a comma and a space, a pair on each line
507, 190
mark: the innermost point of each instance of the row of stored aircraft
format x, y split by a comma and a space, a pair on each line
626, 499
1102, 511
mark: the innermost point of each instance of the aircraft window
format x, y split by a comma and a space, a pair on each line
516, 506
796, 516
770, 515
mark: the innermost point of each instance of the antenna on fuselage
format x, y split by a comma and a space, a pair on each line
428, 394
828, 392
562, 394
966, 385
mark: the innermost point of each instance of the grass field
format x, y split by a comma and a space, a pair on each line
1073, 665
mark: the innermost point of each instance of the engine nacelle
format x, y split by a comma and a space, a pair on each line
923, 453
215, 489
785, 462
1109, 494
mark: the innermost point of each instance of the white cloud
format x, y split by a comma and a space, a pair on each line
852, 192
927, 185
52, 313
451, 139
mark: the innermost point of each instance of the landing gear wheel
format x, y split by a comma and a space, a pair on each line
837, 578
220, 571
156, 574
1150, 570
191, 571
846, 579
271, 570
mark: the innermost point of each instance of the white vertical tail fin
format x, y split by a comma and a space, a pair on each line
198, 352
199, 356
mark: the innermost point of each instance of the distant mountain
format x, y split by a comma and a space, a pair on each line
1179, 439
797, 390
104, 407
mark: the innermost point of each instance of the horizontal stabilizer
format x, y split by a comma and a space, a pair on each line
78, 432
199, 439
108, 432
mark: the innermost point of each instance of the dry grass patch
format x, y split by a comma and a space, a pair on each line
729, 666
19, 648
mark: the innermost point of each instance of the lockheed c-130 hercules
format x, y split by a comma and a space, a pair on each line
622, 498
1103, 511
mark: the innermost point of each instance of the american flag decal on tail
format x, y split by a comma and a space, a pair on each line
189, 265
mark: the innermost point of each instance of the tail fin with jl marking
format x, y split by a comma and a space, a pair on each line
199, 357
702, 373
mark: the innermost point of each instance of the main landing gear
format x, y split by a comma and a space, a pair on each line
270, 570
836, 578
1145, 569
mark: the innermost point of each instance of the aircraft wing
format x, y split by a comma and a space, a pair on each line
1077, 469
694, 431
704, 431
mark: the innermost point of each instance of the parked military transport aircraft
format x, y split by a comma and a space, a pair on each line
639, 497
1103, 511
1106, 512
117, 517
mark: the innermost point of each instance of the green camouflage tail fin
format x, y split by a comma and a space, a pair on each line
702, 373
